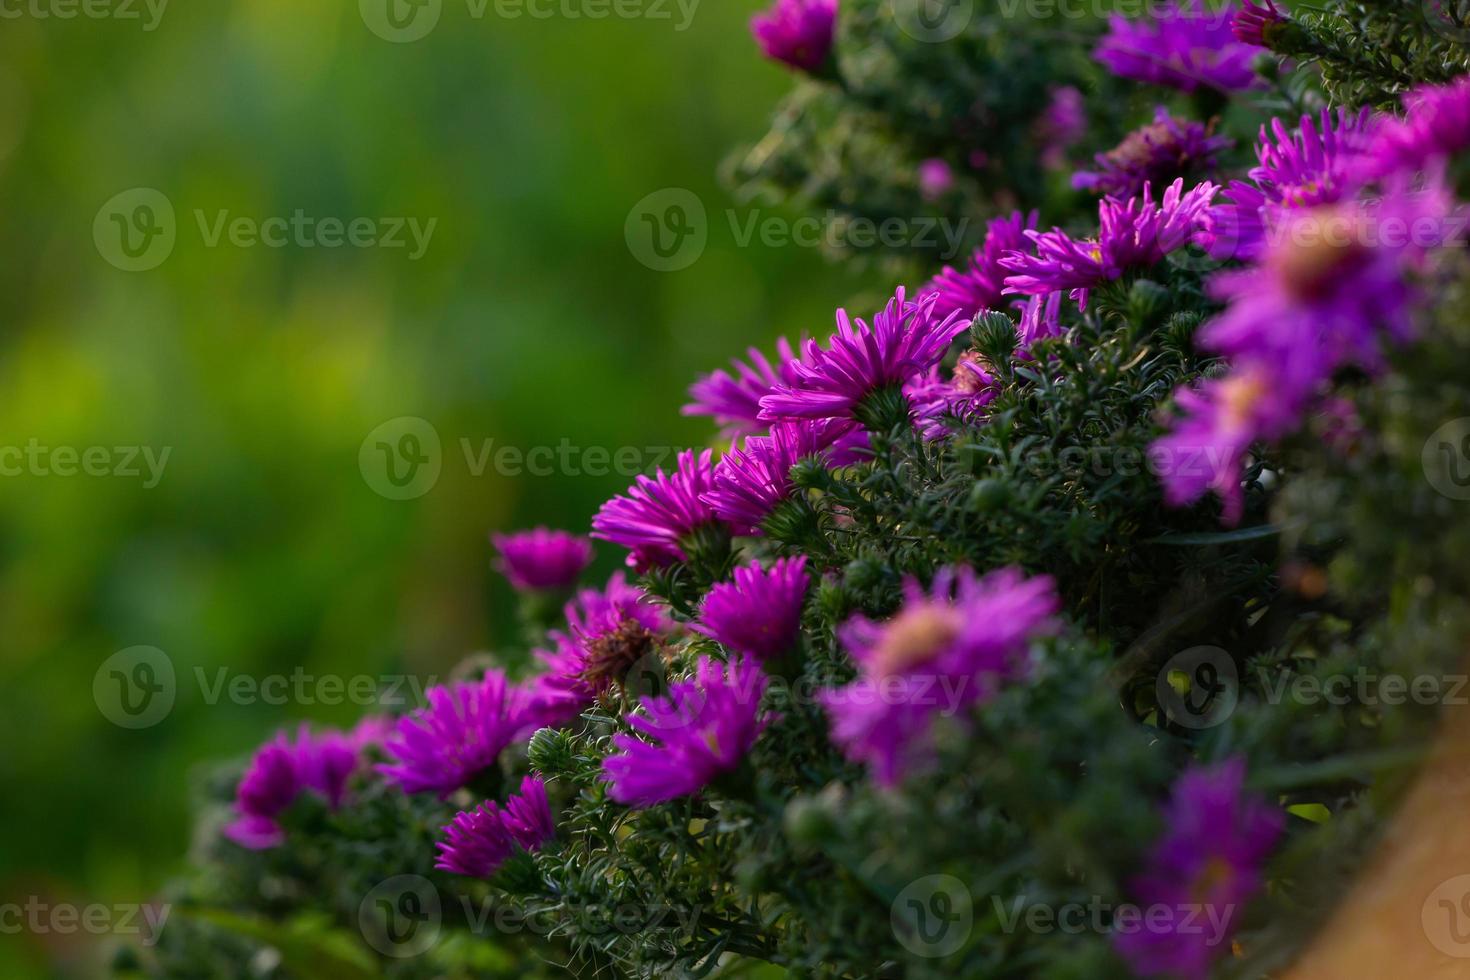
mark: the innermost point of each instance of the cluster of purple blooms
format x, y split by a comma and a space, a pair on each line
1307, 303
1338, 218
316, 762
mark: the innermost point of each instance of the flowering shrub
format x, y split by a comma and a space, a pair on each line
1004, 598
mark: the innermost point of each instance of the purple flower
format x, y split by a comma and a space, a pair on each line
461, 733
1436, 125
1205, 451
1333, 284
1253, 24
280, 772
759, 612
478, 842
542, 559
797, 32
946, 651
936, 177
964, 396
752, 481
980, 285
608, 632
1132, 235
701, 730
1185, 47
656, 517
1216, 841
735, 400
1316, 164
1154, 154
906, 338
1041, 318
1062, 126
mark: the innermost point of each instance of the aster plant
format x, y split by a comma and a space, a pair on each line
995, 609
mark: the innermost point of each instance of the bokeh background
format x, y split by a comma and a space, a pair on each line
263, 549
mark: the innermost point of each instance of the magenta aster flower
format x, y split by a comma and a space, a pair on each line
1254, 24
964, 396
1220, 421
1436, 125
797, 32
701, 730
981, 284
906, 338
946, 651
1154, 154
281, 771
608, 632
752, 481
657, 516
1316, 164
1216, 841
461, 733
735, 399
759, 612
1184, 48
1062, 126
1132, 235
1334, 283
478, 842
542, 559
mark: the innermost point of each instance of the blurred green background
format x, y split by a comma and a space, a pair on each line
263, 548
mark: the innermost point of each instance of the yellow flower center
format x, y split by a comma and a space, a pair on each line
915, 637
1239, 394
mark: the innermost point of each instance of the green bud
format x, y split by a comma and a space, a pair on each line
989, 495
808, 821
993, 334
1147, 301
551, 753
